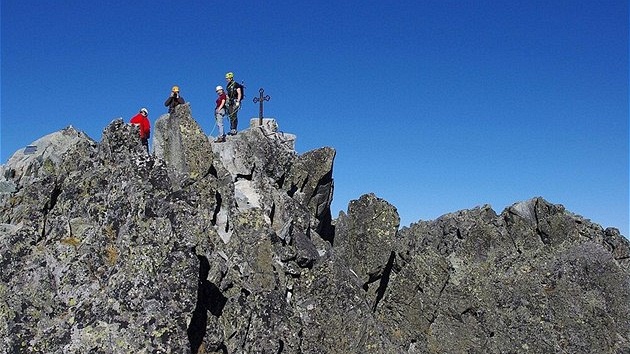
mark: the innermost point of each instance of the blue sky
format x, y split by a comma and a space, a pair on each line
435, 106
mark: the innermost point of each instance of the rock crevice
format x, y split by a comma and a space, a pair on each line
231, 248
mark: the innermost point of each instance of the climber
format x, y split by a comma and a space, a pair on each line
219, 113
174, 99
235, 94
141, 120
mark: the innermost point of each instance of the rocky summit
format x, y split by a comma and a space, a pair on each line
230, 247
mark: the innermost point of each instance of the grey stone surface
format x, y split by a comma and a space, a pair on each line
180, 142
42, 156
365, 240
230, 247
534, 279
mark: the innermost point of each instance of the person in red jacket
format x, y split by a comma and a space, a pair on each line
141, 120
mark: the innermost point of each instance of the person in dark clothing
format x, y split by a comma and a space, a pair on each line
142, 121
235, 94
174, 99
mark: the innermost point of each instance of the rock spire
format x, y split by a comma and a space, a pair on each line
231, 247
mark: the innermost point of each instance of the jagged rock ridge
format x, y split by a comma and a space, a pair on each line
231, 248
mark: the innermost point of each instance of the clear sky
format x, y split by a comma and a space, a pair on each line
435, 106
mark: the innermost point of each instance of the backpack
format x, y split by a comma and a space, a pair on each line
242, 85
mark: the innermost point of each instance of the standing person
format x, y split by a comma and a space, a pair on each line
235, 94
141, 120
219, 113
174, 99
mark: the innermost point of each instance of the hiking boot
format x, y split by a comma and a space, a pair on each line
220, 139
232, 132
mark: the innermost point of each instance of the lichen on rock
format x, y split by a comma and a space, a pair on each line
230, 247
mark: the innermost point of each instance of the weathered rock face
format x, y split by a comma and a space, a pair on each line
533, 279
87, 264
178, 140
231, 248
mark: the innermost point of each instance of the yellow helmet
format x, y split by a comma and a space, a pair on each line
229, 75
175, 89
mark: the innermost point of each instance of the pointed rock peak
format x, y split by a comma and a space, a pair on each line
179, 140
45, 151
120, 142
534, 209
525, 209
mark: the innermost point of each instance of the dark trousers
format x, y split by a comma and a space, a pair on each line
233, 115
145, 142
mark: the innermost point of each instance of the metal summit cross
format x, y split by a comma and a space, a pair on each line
261, 99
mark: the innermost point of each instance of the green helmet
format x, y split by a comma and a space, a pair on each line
229, 75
